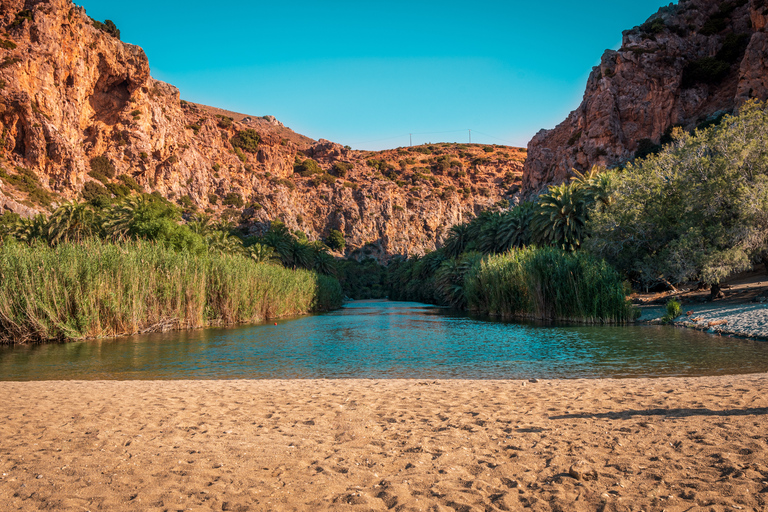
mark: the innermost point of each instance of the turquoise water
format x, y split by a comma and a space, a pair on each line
380, 339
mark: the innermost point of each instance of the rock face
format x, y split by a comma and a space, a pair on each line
71, 93
689, 63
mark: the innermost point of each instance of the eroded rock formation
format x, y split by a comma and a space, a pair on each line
689, 63
71, 92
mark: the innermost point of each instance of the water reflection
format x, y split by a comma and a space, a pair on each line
377, 339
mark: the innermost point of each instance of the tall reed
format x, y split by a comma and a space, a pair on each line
96, 289
548, 284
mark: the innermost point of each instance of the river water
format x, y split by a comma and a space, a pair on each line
382, 339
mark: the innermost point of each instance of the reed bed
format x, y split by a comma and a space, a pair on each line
548, 284
96, 289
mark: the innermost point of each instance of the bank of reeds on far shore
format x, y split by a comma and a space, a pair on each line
98, 289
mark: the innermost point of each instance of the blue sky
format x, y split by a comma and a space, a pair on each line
369, 73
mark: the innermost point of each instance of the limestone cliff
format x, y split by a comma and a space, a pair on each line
687, 64
72, 94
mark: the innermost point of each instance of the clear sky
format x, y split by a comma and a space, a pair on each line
368, 73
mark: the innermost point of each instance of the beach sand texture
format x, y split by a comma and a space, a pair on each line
671, 444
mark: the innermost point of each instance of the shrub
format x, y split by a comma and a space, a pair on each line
247, 140
95, 193
696, 211
131, 183
108, 27
307, 168
21, 17
674, 310
225, 121
340, 169
103, 165
336, 240
707, 70
233, 199
213, 198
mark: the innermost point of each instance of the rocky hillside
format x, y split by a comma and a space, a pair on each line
687, 65
81, 117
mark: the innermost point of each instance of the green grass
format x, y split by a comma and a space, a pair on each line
97, 289
548, 284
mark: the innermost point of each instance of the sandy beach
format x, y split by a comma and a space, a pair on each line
675, 444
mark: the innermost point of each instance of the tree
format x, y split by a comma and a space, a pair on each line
71, 222
698, 210
560, 216
336, 240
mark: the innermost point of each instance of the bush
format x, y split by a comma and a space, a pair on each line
108, 27
233, 199
131, 183
707, 70
336, 240
674, 310
247, 140
698, 210
340, 169
103, 166
95, 193
307, 168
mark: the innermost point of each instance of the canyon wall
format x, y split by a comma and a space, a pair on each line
687, 65
72, 93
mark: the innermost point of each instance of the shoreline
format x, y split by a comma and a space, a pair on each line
674, 443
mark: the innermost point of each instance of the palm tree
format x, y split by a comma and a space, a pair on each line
560, 217
116, 222
458, 237
29, 229
201, 225
261, 253
221, 242
71, 222
515, 231
449, 278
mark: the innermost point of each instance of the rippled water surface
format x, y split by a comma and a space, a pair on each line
379, 339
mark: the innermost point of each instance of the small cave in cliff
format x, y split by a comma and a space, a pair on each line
109, 100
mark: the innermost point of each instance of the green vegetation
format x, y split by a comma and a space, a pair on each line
21, 17
96, 289
129, 266
336, 240
246, 140
108, 27
674, 310
27, 181
698, 210
307, 168
233, 199
363, 280
340, 169
548, 284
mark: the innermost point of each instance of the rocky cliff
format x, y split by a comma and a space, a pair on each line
687, 65
80, 116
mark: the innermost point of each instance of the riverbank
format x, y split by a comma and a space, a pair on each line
741, 312
674, 443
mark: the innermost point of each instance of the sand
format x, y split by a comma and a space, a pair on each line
675, 444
